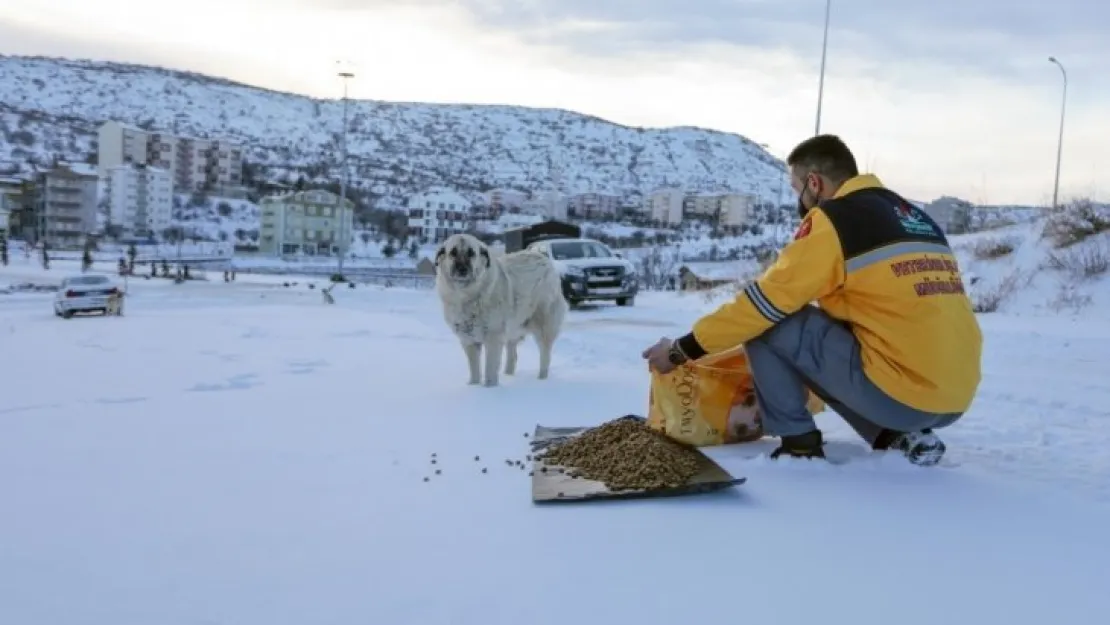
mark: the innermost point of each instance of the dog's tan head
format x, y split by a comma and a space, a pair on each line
462, 259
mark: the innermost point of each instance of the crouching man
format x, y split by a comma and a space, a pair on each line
893, 344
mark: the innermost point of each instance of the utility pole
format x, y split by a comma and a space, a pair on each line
821, 80
1060, 140
342, 212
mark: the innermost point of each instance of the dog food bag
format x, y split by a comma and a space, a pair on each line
710, 402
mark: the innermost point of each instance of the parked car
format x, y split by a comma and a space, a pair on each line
84, 293
590, 270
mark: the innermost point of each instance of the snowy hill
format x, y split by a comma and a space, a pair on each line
52, 107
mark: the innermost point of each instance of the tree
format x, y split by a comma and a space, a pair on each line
389, 251
4, 251
45, 256
132, 252
414, 250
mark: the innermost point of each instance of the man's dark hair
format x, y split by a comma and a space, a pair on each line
825, 155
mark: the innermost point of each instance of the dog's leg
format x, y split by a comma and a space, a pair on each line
546, 334
545, 345
473, 361
510, 357
494, 347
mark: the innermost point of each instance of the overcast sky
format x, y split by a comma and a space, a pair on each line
940, 97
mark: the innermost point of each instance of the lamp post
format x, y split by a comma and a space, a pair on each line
342, 212
821, 80
1060, 140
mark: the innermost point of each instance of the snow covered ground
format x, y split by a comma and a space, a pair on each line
242, 453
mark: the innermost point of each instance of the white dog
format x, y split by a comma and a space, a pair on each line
493, 302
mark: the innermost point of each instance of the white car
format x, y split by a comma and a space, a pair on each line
590, 270
84, 293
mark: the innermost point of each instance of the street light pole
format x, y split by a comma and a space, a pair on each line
821, 80
1060, 140
342, 212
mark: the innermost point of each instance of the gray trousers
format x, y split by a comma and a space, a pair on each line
811, 349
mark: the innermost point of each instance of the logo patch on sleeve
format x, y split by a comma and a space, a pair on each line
803, 230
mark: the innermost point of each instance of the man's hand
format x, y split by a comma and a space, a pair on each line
659, 356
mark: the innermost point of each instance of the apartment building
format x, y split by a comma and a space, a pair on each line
139, 198
437, 213
593, 205
665, 205
952, 214
194, 164
16, 197
310, 223
702, 204
506, 200
549, 204
735, 209
65, 205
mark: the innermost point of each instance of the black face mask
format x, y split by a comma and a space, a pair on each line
802, 210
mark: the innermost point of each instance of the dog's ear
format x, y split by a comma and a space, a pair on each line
440, 254
485, 254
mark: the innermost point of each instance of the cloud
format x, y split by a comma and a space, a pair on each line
997, 38
930, 125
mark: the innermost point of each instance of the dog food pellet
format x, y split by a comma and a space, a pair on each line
438, 471
530, 474
509, 462
526, 435
425, 479
476, 458
483, 470
626, 455
528, 458
433, 460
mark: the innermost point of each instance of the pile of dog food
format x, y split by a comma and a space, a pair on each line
625, 454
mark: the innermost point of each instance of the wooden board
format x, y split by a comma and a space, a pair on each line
552, 486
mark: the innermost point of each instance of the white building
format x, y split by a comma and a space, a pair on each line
735, 209
140, 198
194, 164
437, 213
548, 204
702, 204
506, 200
593, 205
66, 205
952, 214
310, 223
665, 205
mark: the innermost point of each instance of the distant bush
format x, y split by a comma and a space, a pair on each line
987, 299
1069, 298
992, 248
1073, 222
1085, 260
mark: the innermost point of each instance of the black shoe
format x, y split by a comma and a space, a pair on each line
921, 448
808, 445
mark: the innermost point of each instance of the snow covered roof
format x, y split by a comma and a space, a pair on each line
80, 169
437, 195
